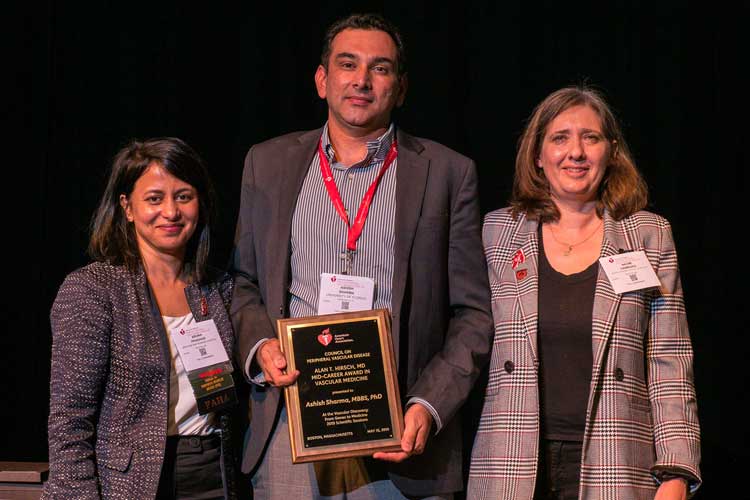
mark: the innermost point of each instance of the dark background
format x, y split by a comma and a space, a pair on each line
90, 77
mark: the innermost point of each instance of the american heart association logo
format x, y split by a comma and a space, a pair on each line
325, 337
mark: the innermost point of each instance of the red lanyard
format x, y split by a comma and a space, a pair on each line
355, 230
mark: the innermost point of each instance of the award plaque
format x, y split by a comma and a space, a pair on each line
346, 401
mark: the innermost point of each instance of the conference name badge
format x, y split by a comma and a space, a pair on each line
207, 364
629, 271
345, 293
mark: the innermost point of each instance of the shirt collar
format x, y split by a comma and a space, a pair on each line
377, 149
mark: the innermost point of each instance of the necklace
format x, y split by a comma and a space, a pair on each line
570, 246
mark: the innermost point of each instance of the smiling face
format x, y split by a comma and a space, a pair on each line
574, 155
361, 83
164, 211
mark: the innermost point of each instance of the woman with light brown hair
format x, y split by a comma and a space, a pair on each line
590, 392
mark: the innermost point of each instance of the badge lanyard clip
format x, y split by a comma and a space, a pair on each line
347, 257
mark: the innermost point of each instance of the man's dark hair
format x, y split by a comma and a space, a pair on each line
365, 22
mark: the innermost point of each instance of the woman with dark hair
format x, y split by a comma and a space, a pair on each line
590, 392
124, 421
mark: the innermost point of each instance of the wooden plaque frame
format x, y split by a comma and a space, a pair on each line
302, 453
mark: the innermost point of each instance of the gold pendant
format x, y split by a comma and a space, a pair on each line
567, 252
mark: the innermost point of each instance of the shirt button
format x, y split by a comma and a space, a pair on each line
619, 375
350, 175
509, 366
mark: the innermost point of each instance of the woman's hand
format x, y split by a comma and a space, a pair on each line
674, 489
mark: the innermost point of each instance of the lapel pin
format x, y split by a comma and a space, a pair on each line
521, 274
204, 306
518, 258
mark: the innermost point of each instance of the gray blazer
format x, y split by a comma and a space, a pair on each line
642, 415
441, 317
109, 381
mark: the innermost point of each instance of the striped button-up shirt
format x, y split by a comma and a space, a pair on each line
319, 234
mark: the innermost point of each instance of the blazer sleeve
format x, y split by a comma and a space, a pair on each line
448, 378
669, 361
81, 326
248, 310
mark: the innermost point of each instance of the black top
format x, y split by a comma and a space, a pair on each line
566, 303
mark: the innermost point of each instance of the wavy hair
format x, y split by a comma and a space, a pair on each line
622, 191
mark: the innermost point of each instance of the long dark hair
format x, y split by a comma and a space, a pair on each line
113, 237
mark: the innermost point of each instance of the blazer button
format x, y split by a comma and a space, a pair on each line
619, 375
509, 366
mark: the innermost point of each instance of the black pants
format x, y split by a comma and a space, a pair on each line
192, 469
559, 470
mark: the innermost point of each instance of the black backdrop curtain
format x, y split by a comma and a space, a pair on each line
222, 77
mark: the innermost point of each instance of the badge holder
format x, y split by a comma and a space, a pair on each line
207, 365
213, 387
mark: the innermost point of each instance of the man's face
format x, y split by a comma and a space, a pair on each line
361, 84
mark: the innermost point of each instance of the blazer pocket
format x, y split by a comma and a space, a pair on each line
641, 404
640, 413
115, 458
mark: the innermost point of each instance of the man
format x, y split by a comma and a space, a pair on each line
420, 243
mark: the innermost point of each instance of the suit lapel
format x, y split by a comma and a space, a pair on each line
526, 276
606, 301
292, 171
153, 322
411, 180
604, 314
156, 349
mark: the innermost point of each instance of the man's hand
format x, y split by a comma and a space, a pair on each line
273, 363
417, 425
674, 489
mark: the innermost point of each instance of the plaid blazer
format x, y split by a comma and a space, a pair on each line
642, 415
